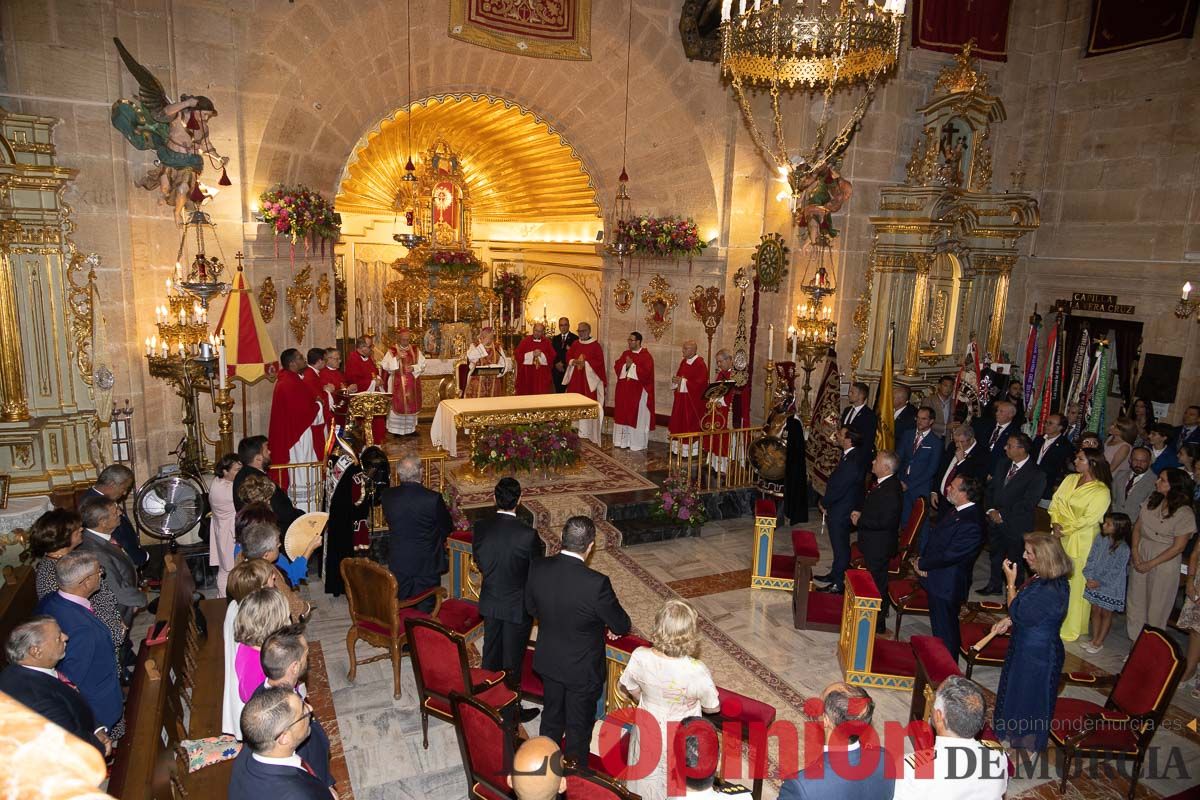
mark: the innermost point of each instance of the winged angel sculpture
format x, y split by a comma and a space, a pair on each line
177, 132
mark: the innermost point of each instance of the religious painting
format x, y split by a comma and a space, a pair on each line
560, 29
659, 301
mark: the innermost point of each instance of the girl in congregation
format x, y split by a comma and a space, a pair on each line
1106, 572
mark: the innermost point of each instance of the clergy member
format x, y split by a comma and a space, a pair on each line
689, 383
405, 362
535, 358
586, 374
332, 375
485, 353
716, 416
314, 378
294, 412
562, 345
362, 375
633, 406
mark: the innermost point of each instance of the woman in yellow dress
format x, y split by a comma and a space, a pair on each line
1076, 511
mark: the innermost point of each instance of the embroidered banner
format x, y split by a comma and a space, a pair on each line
946, 25
1122, 25
539, 28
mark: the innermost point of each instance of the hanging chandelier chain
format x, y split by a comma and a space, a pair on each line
408, 24
628, 49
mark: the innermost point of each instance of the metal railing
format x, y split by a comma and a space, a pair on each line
306, 480
692, 459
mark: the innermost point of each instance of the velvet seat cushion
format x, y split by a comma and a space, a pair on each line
825, 608
1070, 717
497, 696
893, 658
863, 585
462, 536
628, 643
531, 683
804, 544
764, 508
934, 657
902, 587
745, 709
783, 566
995, 651
460, 616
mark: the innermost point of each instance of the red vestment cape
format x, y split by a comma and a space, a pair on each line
360, 372
534, 378
628, 399
315, 381
293, 409
593, 354
406, 388
688, 407
719, 445
335, 378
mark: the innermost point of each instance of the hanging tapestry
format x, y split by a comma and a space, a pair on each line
946, 25
539, 28
1122, 25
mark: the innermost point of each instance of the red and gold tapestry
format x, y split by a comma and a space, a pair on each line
1123, 25
946, 25
539, 28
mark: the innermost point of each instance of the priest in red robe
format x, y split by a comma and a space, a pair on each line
404, 362
485, 353
362, 375
633, 406
332, 376
587, 374
689, 383
314, 378
535, 357
716, 417
294, 412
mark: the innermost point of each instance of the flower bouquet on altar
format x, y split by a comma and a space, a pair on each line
679, 502
526, 448
453, 264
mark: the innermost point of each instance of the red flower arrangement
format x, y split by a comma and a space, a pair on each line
508, 286
527, 447
452, 263
679, 502
298, 212
661, 237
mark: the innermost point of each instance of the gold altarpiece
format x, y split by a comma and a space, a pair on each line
945, 241
47, 414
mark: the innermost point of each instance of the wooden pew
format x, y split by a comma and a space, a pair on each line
18, 598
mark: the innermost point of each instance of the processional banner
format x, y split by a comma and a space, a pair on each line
946, 25
540, 28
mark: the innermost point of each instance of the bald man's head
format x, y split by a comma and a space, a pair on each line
538, 771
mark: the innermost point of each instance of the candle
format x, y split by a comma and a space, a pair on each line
181, 349
491, 312
222, 363
182, 317
407, 313
511, 316
420, 315
396, 309
168, 287
771, 343
1187, 289
726, 8
456, 308
792, 336
147, 345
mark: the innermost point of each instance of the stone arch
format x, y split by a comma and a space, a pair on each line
590, 293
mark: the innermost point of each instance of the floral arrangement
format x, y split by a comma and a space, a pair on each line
453, 263
527, 447
508, 286
661, 237
679, 502
457, 515
298, 212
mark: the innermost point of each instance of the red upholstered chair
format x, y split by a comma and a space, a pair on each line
907, 541
377, 616
481, 741
440, 666
907, 597
531, 683
462, 371
586, 785
1124, 726
750, 715
934, 665
971, 630
811, 610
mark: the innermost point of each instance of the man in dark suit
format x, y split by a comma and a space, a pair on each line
844, 707
274, 723
562, 342
967, 458
843, 494
115, 482
879, 525
1053, 451
904, 413
418, 524
920, 456
33, 649
573, 605
504, 547
944, 565
100, 518
284, 656
89, 661
995, 435
1012, 495
255, 455
860, 417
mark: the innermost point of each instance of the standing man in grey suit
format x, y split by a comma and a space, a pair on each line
1012, 495
101, 516
1129, 495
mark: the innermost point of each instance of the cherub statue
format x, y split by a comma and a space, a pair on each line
820, 192
176, 132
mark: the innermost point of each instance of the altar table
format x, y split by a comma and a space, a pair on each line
489, 412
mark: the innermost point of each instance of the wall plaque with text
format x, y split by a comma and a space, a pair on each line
1084, 301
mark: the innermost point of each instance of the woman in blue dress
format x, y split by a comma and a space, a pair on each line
1029, 682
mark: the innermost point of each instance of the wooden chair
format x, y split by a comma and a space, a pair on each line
485, 747
18, 598
971, 630
753, 718
440, 666
906, 544
1125, 725
907, 596
377, 616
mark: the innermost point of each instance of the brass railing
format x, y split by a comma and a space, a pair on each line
306, 480
691, 459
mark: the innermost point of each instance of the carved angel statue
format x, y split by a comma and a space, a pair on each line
176, 132
820, 193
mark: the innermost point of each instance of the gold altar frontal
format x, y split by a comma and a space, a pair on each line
491, 412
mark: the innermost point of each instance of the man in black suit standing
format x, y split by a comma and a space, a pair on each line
860, 417
967, 458
944, 565
1052, 451
904, 413
879, 525
1012, 495
993, 437
33, 649
418, 524
504, 547
573, 605
115, 482
275, 722
843, 494
562, 342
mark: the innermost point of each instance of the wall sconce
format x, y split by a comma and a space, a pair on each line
1185, 307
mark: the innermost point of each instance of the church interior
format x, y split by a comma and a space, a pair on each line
703, 274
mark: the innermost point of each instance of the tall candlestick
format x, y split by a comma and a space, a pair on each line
407, 313
771, 343
222, 364
420, 315
456, 308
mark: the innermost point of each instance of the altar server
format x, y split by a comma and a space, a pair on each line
562, 346
313, 377
295, 410
587, 375
362, 375
404, 362
486, 353
534, 357
716, 416
633, 406
689, 383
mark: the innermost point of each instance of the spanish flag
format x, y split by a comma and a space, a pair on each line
885, 431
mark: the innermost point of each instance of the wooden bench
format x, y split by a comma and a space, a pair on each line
18, 598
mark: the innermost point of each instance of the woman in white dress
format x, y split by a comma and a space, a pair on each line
220, 529
670, 683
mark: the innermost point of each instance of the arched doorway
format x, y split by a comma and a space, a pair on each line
555, 295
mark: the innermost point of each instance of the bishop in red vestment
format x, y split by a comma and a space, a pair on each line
587, 374
294, 412
535, 357
485, 353
716, 416
690, 381
633, 406
332, 376
362, 375
405, 363
314, 378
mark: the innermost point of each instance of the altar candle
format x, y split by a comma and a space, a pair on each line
456, 308
222, 364
407, 313
1187, 289
164, 348
771, 343
181, 349
147, 345
420, 315
792, 336
396, 310
182, 317
491, 312
726, 9
511, 316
